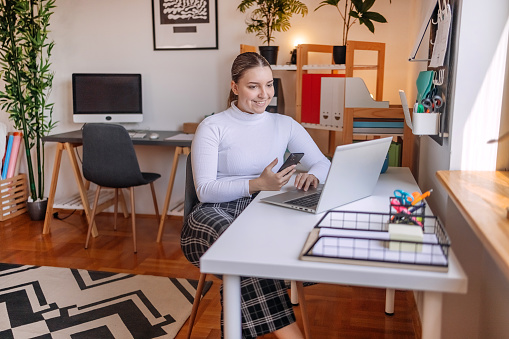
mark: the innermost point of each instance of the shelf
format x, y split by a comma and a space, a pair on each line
283, 67
321, 67
74, 202
482, 198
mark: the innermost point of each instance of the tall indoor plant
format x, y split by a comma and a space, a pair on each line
25, 70
352, 11
270, 16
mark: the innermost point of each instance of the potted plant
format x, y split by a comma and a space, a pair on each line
353, 11
24, 68
268, 17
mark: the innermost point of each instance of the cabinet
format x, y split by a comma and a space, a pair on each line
345, 135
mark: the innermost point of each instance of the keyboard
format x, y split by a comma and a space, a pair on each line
137, 134
310, 200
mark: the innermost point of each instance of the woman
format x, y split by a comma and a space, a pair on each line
235, 154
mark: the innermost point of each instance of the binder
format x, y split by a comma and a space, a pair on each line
7, 156
14, 154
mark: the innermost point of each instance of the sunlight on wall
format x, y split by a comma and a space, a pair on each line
483, 123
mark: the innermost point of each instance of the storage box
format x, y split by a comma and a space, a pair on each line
13, 196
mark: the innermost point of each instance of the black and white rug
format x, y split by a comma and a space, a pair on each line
48, 302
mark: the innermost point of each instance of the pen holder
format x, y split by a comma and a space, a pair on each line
425, 123
406, 213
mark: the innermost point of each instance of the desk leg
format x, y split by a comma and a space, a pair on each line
81, 185
178, 151
389, 301
53, 188
231, 304
432, 315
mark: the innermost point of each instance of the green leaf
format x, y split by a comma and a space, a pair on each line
373, 16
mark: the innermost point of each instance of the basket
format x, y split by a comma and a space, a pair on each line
13, 196
362, 238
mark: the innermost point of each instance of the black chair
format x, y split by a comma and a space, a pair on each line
109, 161
190, 200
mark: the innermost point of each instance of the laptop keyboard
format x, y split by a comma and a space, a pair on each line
310, 200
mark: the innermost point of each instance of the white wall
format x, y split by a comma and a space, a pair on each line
183, 86
477, 110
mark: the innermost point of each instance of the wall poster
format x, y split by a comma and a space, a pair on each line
184, 24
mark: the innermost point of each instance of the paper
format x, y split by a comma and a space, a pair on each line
424, 27
406, 111
181, 136
442, 37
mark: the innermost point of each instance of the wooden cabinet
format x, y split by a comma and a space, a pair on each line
345, 135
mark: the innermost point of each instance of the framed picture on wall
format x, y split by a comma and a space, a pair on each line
183, 24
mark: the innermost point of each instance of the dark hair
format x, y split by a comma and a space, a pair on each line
241, 64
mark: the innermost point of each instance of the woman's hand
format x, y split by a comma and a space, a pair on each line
305, 180
270, 181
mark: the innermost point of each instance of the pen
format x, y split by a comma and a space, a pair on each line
401, 209
422, 196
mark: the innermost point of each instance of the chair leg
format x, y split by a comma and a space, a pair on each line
133, 218
303, 309
155, 201
115, 210
92, 216
196, 303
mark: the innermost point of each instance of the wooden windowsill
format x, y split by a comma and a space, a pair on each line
482, 197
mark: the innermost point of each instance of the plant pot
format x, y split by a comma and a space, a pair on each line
37, 209
339, 54
269, 53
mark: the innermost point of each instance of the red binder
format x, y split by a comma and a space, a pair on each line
311, 88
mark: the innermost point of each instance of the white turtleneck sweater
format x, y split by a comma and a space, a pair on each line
232, 147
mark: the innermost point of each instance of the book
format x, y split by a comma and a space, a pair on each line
7, 156
20, 156
14, 154
377, 130
378, 124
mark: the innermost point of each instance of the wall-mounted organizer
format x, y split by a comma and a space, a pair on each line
442, 21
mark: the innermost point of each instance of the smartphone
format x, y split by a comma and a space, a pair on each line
293, 159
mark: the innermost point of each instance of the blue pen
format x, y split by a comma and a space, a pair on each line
414, 208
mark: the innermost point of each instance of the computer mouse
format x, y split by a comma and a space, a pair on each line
153, 135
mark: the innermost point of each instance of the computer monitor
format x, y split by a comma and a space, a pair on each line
107, 97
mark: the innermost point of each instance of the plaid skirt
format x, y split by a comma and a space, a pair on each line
265, 305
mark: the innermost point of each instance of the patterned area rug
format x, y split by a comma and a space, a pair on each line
48, 302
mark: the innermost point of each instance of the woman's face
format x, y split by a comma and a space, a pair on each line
254, 89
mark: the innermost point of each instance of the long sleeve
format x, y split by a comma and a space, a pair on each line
232, 147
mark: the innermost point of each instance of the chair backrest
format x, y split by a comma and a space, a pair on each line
190, 197
109, 158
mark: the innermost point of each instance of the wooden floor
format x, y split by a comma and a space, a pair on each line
335, 311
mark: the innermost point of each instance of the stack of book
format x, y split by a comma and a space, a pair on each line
378, 127
12, 155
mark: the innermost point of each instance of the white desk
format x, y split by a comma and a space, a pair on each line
265, 241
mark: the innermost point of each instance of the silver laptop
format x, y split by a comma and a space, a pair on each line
353, 175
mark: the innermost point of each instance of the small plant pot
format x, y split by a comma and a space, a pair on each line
339, 54
269, 53
37, 209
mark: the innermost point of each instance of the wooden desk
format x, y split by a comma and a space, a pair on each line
70, 140
265, 241
482, 197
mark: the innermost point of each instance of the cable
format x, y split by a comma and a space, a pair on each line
55, 215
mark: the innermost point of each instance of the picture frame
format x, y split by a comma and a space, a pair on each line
179, 26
